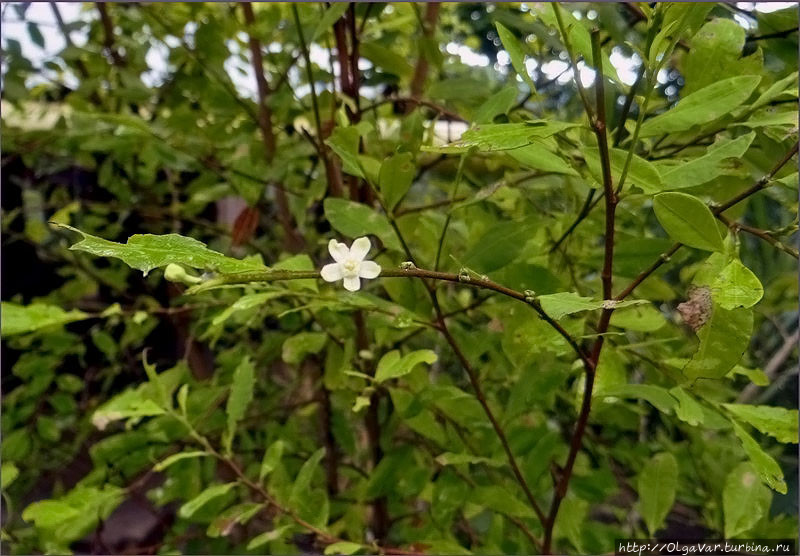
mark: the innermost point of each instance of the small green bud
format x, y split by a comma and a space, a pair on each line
176, 273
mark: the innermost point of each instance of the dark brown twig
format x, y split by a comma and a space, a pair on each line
716, 211
293, 240
610, 196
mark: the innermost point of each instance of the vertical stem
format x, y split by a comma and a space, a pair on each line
474, 380
443, 235
293, 241
333, 172
599, 127
331, 452
421, 69
108, 34
380, 510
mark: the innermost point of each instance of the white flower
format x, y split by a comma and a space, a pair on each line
350, 264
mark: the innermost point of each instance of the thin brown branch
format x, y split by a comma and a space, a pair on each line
450, 115
429, 206
772, 367
333, 172
716, 211
278, 275
267, 497
599, 127
108, 35
421, 69
759, 233
573, 61
759, 185
476, 386
293, 240
776, 35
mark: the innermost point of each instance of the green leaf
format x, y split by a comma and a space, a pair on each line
343, 547
499, 499
745, 500
19, 319
538, 157
303, 481
767, 468
344, 142
355, 220
48, 514
705, 168
641, 173
777, 422
385, 58
558, 305
162, 395
516, 53
166, 462
640, 318
8, 473
395, 177
215, 491
296, 348
311, 504
499, 245
657, 484
723, 340
736, 286
464, 89
392, 365
146, 251
248, 301
716, 53
298, 262
561, 304
269, 536
688, 220
449, 458
240, 513
703, 106
272, 458
756, 376
240, 397
128, 404
76, 513
782, 87
657, 396
688, 409
334, 12
499, 103
502, 137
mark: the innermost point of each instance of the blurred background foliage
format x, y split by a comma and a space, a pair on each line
124, 119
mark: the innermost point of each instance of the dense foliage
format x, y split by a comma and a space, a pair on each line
584, 324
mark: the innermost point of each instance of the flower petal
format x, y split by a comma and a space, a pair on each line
369, 269
331, 272
360, 248
352, 283
338, 251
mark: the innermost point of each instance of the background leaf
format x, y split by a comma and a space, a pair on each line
657, 485
687, 220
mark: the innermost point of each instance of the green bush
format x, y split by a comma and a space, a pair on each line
399, 278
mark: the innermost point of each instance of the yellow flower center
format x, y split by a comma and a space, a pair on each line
350, 266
